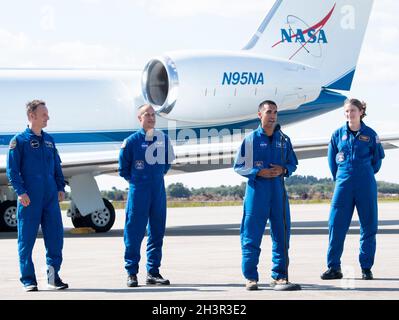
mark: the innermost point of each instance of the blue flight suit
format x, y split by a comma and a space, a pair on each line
147, 198
34, 168
353, 161
265, 200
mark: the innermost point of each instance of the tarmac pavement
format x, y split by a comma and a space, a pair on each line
202, 259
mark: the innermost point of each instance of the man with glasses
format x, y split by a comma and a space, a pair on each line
145, 157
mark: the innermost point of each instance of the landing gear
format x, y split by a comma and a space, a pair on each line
99, 220
8, 215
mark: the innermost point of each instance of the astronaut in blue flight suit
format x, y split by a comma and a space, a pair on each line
145, 157
34, 170
354, 156
265, 157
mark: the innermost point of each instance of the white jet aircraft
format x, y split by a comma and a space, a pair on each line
302, 52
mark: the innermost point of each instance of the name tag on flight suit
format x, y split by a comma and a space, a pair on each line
364, 138
49, 144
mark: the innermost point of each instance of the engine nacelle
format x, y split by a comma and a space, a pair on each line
224, 86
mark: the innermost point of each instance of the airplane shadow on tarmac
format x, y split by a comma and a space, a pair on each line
204, 287
171, 288
139, 289
190, 287
297, 228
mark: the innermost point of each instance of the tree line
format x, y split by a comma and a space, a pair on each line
298, 187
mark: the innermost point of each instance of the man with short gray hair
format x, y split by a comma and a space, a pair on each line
145, 157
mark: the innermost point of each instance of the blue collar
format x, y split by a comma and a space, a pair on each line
31, 134
144, 134
362, 127
260, 129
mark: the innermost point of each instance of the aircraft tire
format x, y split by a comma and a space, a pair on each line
8, 216
78, 222
101, 221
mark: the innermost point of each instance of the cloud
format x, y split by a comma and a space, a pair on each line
225, 8
17, 50
88, 55
385, 10
378, 66
91, 1
378, 62
47, 21
8, 39
383, 27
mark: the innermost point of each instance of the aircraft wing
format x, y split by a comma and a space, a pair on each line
219, 156
189, 158
308, 149
198, 157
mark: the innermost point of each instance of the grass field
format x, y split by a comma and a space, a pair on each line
189, 204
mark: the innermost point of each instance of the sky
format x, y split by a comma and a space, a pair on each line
126, 34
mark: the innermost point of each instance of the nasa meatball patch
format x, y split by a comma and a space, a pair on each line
340, 157
35, 144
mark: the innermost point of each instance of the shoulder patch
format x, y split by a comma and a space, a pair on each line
124, 144
13, 143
